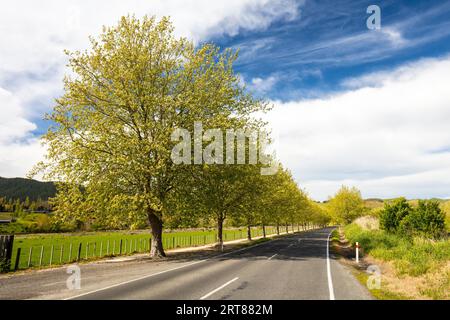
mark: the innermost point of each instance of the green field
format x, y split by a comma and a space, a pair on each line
5, 215
54, 249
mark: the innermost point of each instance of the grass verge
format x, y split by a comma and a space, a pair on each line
411, 268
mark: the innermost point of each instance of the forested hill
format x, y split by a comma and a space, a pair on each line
20, 188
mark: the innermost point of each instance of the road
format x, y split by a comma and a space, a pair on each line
290, 267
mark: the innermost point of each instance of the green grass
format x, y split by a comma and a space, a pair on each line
412, 257
5, 215
101, 244
334, 235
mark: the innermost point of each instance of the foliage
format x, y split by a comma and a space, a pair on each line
426, 219
393, 213
20, 188
346, 205
114, 123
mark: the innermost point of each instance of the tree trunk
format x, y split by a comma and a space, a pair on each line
156, 225
220, 230
278, 228
264, 231
287, 228
249, 233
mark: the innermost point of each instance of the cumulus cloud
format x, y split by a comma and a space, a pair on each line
389, 135
34, 34
18, 148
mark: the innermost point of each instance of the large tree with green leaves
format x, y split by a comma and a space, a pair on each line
346, 205
110, 144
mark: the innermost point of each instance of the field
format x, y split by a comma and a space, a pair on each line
5, 215
40, 250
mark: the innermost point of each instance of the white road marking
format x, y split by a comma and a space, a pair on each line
273, 256
330, 281
217, 289
290, 245
133, 280
161, 272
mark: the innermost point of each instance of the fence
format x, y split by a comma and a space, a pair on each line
66, 251
6, 248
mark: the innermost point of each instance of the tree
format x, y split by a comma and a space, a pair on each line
346, 205
393, 213
283, 202
112, 138
427, 220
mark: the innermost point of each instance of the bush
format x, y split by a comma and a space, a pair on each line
427, 220
393, 214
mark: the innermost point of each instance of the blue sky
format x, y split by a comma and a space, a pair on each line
352, 106
328, 42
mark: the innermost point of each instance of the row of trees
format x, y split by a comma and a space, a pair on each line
18, 207
111, 142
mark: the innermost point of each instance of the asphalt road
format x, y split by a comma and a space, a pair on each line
293, 267
296, 266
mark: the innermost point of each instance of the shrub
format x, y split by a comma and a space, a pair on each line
393, 213
427, 220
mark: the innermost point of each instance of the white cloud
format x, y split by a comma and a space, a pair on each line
263, 85
33, 35
18, 148
389, 136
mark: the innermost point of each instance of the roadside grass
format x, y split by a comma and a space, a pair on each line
420, 267
379, 294
411, 257
335, 235
40, 250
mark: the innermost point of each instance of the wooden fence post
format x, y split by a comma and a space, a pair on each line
29, 257
70, 252
61, 254
79, 251
16, 265
51, 255
6, 248
41, 255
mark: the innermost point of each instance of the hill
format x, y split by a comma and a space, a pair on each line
20, 188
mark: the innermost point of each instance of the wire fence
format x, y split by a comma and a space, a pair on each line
60, 252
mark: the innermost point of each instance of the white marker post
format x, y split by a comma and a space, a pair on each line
357, 252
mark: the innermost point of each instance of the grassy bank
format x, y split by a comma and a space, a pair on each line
419, 263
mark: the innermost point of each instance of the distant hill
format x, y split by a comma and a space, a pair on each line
20, 188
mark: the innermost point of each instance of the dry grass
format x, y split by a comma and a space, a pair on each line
368, 223
432, 285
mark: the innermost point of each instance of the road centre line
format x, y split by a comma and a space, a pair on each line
218, 289
165, 271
